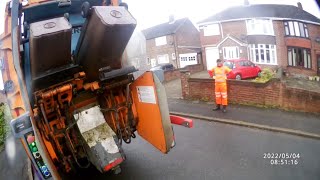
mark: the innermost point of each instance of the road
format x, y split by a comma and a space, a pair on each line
219, 151
13, 161
208, 151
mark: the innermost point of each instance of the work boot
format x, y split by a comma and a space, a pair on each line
216, 108
224, 109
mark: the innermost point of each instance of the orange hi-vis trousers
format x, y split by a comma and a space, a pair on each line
221, 93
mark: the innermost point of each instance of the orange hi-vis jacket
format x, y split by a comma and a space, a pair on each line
220, 74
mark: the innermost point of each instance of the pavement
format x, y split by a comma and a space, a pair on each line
296, 123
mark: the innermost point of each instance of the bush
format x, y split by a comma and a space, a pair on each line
4, 124
266, 75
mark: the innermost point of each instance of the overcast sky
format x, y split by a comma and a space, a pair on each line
152, 12
158, 11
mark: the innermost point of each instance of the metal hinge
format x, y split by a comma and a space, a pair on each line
64, 3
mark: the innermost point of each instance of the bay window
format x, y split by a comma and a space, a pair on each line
263, 53
299, 57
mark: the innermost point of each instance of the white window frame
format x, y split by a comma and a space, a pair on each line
163, 55
296, 29
151, 62
1, 81
306, 55
1, 78
148, 61
188, 59
262, 52
211, 30
161, 41
173, 56
258, 27
227, 50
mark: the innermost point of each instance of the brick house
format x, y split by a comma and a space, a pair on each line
269, 35
176, 42
2, 97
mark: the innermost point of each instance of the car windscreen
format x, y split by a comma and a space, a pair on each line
228, 64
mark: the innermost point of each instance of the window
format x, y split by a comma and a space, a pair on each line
248, 63
163, 59
161, 41
260, 26
193, 58
231, 52
187, 59
173, 56
299, 57
184, 58
294, 28
263, 53
148, 61
211, 30
153, 62
1, 68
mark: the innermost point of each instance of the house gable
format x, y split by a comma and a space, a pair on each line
232, 41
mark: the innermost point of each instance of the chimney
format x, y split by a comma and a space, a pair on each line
171, 19
299, 5
246, 2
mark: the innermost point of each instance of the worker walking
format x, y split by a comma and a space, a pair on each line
220, 75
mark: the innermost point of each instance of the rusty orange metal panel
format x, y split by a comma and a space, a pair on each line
152, 125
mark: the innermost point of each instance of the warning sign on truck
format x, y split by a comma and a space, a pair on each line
146, 94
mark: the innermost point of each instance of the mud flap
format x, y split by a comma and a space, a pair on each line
150, 100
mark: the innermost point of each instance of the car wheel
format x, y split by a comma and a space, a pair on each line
238, 77
259, 74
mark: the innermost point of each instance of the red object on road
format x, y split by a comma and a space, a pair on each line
178, 120
242, 69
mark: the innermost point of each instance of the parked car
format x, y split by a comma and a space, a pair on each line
241, 69
164, 67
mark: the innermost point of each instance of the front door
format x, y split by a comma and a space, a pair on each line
318, 60
212, 54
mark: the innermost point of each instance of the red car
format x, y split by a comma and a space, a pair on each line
241, 69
